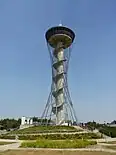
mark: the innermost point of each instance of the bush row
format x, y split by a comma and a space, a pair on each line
58, 144
109, 131
42, 131
53, 136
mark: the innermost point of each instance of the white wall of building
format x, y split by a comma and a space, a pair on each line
26, 121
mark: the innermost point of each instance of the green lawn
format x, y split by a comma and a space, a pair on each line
58, 144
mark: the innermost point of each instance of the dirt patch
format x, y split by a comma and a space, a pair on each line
54, 153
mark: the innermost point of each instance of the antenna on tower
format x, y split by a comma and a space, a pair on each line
60, 23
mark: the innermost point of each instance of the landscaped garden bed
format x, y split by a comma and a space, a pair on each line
58, 144
53, 136
45, 129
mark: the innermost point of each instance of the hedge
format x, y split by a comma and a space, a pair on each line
109, 131
53, 136
58, 144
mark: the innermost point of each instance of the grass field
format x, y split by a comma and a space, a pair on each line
54, 153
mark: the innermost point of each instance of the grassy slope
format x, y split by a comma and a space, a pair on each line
24, 133
39, 129
54, 136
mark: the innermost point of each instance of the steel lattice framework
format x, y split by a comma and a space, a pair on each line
59, 108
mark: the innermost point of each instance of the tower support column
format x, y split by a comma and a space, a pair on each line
59, 99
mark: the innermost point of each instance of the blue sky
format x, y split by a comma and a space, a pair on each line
25, 73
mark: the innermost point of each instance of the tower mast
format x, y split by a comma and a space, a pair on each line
59, 108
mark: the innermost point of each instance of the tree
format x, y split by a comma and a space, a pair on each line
10, 123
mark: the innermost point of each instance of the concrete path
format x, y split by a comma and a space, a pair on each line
80, 149
105, 144
9, 140
9, 146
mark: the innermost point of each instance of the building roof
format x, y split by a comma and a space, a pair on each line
113, 122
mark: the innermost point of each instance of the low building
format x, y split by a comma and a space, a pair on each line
26, 122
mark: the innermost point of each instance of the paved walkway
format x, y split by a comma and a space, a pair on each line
106, 144
9, 146
15, 147
9, 140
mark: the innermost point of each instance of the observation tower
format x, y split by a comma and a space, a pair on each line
59, 108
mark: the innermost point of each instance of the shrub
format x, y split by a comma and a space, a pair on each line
109, 131
7, 137
58, 144
53, 136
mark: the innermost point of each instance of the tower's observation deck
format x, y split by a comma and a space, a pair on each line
59, 34
59, 40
